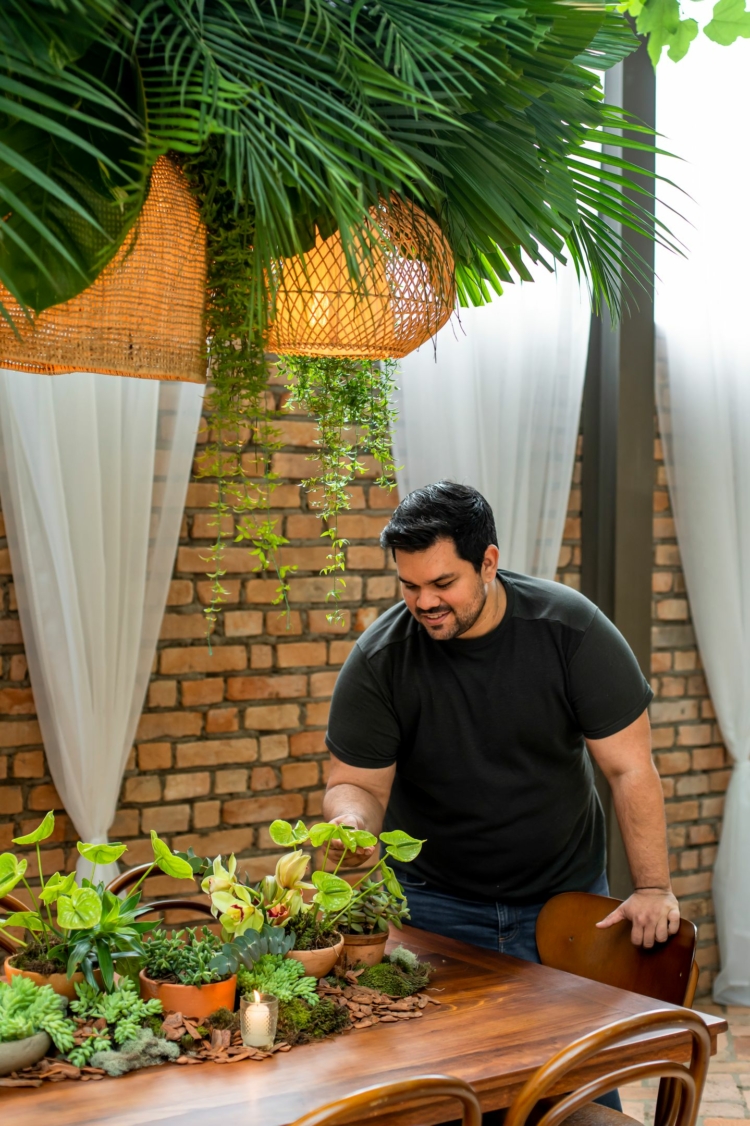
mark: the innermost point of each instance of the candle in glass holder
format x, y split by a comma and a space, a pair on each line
258, 1020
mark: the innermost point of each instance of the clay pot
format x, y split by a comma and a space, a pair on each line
318, 963
61, 983
367, 948
16, 1054
195, 1001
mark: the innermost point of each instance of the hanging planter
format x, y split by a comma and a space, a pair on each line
406, 290
144, 314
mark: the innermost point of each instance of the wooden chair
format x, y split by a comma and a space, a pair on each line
354, 1107
568, 939
177, 903
576, 1107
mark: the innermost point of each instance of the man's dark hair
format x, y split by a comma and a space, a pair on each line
440, 512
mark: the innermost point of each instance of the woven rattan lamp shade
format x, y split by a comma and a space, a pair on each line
408, 295
144, 314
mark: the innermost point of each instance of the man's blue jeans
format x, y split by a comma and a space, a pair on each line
493, 926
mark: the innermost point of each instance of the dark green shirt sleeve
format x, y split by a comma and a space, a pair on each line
362, 727
607, 689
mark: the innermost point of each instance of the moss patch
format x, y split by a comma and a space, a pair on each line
299, 1023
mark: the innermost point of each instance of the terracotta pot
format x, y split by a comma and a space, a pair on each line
367, 948
61, 983
190, 1000
16, 1054
318, 963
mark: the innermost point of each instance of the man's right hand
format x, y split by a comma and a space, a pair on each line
356, 859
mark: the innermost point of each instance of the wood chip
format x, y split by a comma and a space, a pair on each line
20, 1082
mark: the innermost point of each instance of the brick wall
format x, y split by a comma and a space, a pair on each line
229, 741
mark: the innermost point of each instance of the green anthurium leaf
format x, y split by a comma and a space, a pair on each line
401, 846
730, 21
391, 883
11, 872
170, 864
82, 908
101, 853
282, 833
323, 832
56, 886
333, 893
29, 920
363, 839
44, 830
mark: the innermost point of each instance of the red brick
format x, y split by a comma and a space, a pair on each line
295, 433
356, 526
316, 589
144, 788
29, 764
18, 667
166, 818
296, 466
7, 832
364, 618
261, 657
338, 651
691, 885
180, 787
307, 743
718, 780
274, 747
681, 811
297, 654
17, 701
20, 733
208, 691
266, 687
692, 784
281, 623
261, 590
10, 632
243, 623
382, 498
11, 799
322, 683
230, 781
5, 567
204, 526
237, 560
154, 756
667, 555
662, 737
314, 803
572, 530
263, 778
661, 582
45, 797
177, 626
676, 763
701, 834
221, 843
176, 724
661, 662
201, 494
380, 587
3, 766
663, 528
272, 718
233, 588
180, 592
206, 814
125, 824
694, 736
223, 658
299, 775
216, 752
318, 622
221, 721
673, 711
686, 660
317, 714
708, 758
304, 527
672, 610
304, 558
672, 686
248, 810
712, 807
162, 694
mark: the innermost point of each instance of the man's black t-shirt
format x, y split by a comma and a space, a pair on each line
487, 735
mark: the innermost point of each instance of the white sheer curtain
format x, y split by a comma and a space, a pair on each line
704, 407
93, 475
500, 410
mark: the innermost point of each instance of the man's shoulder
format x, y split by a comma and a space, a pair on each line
393, 628
544, 600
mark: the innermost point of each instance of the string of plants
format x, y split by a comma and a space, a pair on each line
95, 988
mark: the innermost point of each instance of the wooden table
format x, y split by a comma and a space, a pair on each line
500, 1019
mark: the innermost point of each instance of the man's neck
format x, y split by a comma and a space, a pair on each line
492, 613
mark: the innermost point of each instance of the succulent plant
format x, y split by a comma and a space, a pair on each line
247, 949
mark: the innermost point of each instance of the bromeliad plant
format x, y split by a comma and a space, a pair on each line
90, 927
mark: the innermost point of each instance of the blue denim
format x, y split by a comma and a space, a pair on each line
502, 927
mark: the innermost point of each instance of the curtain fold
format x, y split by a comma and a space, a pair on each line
93, 475
496, 404
703, 384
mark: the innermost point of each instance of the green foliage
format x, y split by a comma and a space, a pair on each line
183, 957
731, 21
26, 1008
143, 1050
351, 402
299, 1023
123, 1011
245, 950
665, 24
283, 977
374, 911
399, 977
311, 932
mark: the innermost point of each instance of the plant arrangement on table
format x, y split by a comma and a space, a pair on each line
92, 932
180, 972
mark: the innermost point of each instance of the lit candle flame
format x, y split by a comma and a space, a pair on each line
256, 996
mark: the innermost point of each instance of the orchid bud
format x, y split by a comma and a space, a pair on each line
291, 868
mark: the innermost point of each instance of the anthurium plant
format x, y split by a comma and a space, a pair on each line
74, 927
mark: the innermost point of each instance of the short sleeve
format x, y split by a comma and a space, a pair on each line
363, 729
607, 689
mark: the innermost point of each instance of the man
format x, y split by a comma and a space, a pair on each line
463, 715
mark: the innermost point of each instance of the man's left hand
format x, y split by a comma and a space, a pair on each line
653, 913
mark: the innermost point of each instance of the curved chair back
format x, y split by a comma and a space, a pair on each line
401, 1093
686, 1079
568, 939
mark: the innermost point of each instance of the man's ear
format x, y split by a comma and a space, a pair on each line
490, 562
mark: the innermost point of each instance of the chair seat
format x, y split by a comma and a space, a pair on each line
594, 1114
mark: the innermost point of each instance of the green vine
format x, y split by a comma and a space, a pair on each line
351, 401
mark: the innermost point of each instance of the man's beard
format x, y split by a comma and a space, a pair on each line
458, 621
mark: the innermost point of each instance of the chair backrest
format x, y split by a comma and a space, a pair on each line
688, 1079
568, 939
402, 1092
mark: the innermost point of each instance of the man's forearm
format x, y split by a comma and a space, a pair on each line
350, 804
639, 805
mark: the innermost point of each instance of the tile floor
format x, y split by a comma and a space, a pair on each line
726, 1097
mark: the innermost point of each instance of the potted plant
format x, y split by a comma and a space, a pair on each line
31, 1019
180, 972
365, 924
92, 930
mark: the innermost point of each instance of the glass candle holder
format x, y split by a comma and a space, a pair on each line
258, 1018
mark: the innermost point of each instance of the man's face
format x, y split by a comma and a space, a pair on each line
444, 592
